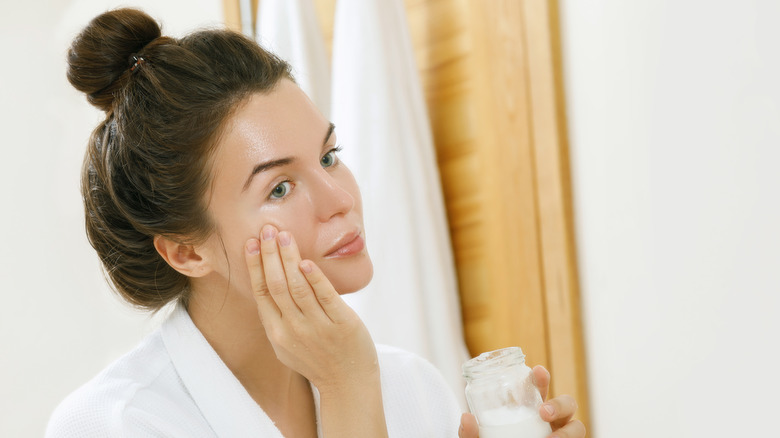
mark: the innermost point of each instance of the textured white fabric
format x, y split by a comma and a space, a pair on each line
290, 29
381, 121
175, 385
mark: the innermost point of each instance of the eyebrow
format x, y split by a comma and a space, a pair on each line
331, 128
268, 165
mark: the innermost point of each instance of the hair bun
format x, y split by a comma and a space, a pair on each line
101, 53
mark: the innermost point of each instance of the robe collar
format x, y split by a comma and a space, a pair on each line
223, 401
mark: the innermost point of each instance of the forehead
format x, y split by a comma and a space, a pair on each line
271, 125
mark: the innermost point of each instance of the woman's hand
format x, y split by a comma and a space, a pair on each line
311, 328
315, 333
558, 412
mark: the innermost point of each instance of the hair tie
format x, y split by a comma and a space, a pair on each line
138, 61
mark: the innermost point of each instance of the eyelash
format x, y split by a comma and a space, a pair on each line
336, 162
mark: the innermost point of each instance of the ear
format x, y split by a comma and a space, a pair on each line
183, 258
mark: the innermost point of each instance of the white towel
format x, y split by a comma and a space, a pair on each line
290, 29
382, 123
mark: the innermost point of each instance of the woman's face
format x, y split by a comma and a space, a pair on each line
276, 164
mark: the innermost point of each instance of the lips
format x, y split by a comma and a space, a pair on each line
349, 244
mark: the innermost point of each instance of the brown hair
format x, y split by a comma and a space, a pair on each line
146, 169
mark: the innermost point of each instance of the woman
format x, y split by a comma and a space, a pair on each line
214, 183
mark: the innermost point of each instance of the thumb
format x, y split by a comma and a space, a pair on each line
468, 426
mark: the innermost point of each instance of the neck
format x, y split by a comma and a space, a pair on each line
231, 324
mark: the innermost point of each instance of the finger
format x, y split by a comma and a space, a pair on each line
541, 378
574, 429
559, 410
326, 295
300, 290
265, 303
274, 273
468, 426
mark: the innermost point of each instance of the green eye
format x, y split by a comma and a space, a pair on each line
329, 159
281, 190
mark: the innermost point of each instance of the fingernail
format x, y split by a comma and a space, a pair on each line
252, 247
549, 408
269, 232
306, 267
284, 238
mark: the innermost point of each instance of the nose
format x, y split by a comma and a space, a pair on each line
331, 195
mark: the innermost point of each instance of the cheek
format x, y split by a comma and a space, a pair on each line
293, 217
350, 185
297, 221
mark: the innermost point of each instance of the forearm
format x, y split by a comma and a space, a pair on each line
354, 410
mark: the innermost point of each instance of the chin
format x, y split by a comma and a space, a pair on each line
353, 278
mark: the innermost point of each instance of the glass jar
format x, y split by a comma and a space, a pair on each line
501, 394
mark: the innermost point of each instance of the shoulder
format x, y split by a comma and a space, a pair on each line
418, 401
396, 360
118, 400
400, 367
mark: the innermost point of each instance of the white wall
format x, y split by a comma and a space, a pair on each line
59, 324
674, 117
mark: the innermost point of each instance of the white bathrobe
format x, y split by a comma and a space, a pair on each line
175, 385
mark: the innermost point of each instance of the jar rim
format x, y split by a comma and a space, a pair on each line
490, 360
